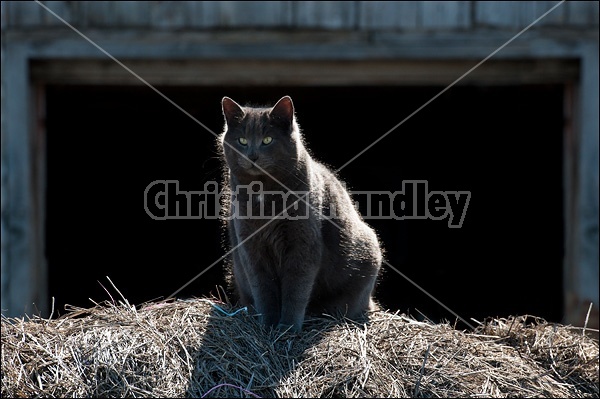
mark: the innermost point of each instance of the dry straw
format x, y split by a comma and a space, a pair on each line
191, 348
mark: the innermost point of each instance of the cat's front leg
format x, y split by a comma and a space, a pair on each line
266, 303
296, 287
265, 295
257, 282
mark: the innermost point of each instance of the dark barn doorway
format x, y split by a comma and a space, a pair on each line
504, 144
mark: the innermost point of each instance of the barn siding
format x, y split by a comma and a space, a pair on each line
445, 14
97, 14
62, 8
557, 17
582, 285
331, 15
23, 14
4, 197
325, 14
19, 292
386, 15
517, 15
498, 14
131, 14
582, 13
232, 14
170, 15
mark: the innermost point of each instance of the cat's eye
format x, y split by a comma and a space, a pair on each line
243, 141
267, 140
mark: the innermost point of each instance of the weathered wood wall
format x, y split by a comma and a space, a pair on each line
332, 15
369, 31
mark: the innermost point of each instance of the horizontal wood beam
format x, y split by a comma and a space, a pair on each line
303, 73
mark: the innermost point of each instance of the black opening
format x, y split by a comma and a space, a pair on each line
502, 144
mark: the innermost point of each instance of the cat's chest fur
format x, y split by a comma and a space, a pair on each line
276, 223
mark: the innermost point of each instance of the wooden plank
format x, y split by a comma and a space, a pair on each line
445, 14
132, 14
95, 14
23, 14
517, 15
526, 14
308, 45
586, 283
129, 14
558, 17
497, 14
570, 181
582, 13
271, 72
387, 15
63, 9
22, 252
582, 185
4, 173
3, 15
243, 14
326, 14
39, 277
170, 14
196, 14
215, 13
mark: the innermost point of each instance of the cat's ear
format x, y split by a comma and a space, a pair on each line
232, 111
283, 111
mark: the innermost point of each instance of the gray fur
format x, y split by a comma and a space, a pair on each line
305, 264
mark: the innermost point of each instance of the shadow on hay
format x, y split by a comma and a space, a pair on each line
238, 357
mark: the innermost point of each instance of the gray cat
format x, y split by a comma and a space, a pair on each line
301, 261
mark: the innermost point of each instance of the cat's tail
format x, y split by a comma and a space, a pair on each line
373, 306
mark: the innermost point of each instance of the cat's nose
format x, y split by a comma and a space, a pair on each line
253, 157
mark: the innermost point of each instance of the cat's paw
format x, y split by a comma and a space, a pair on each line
268, 319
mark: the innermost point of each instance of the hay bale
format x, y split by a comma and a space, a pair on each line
191, 348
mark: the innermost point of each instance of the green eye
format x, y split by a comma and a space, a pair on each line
243, 141
267, 140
